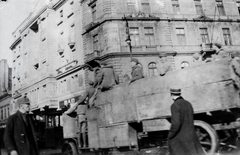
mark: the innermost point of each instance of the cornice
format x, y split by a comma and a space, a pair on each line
15, 43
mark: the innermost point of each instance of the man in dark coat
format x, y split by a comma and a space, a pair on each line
182, 138
137, 72
19, 136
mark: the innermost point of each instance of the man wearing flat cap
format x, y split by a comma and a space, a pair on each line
19, 136
137, 72
182, 138
163, 65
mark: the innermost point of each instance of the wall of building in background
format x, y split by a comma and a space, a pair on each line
48, 45
182, 26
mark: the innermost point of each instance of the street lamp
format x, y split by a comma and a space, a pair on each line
128, 39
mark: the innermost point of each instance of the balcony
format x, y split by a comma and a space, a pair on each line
67, 67
71, 42
93, 55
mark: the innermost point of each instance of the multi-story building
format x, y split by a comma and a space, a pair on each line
45, 48
5, 95
178, 27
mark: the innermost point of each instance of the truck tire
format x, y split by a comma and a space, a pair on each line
208, 137
69, 148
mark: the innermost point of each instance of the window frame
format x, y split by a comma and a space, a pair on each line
206, 35
149, 35
152, 69
133, 36
183, 35
228, 36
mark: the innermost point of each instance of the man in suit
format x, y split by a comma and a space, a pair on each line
182, 138
19, 136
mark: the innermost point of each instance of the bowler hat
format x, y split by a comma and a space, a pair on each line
23, 100
175, 91
162, 54
134, 60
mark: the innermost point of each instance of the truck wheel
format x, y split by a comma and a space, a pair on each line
207, 136
69, 148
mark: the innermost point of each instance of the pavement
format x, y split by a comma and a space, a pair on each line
42, 152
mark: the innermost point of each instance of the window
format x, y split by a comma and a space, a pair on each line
184, 64
220, 8
198, 6
181, 36
95, 42
131, 6
149, 36
145, 6
204, 35
152, 69
227, 36
94, 12
176, 8
61, 13
134, 34
238, 6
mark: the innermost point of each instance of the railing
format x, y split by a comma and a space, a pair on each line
67, 66
94, 54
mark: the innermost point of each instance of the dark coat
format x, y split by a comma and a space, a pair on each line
19, 136
182, 138
109, 78
137, 73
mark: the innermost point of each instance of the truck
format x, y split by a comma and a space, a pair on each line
135, 118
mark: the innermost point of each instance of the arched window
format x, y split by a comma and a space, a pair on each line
184, 64
152, 69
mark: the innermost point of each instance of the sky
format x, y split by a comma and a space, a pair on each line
12, 14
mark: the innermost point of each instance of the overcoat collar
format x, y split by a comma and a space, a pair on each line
180, 97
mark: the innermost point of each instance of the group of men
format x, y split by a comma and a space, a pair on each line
20, 137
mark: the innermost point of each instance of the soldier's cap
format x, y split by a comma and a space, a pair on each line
175, 91
134, 60
23, 100
162, 54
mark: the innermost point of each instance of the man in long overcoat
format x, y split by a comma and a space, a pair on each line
19, 136
182, 138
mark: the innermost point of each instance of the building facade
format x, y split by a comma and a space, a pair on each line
5, 95
47, 54
177, 27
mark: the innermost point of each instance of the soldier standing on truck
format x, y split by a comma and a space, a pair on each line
163, 65
220, 53
137, 72
182, 138
81, 107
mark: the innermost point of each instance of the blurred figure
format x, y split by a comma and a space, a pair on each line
163, 65
19, 136
220, 53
